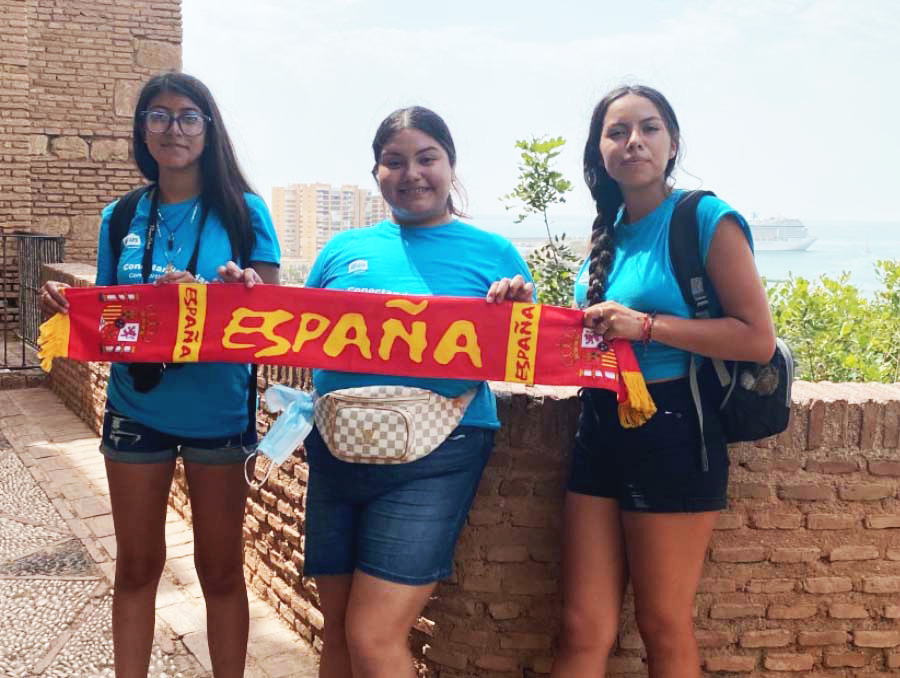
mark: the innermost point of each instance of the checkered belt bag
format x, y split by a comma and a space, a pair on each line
387, 424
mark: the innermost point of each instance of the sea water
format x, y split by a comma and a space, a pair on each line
852, 247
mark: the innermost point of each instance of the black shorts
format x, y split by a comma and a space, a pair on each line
656, 467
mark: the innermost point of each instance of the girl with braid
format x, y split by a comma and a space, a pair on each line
639, 505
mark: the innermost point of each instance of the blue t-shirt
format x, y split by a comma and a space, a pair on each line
197, 400
453, 259
642, 277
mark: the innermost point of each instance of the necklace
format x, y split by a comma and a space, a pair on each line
171, 252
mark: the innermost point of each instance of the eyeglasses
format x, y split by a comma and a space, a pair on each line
191, 123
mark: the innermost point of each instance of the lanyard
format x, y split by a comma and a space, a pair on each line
152, 228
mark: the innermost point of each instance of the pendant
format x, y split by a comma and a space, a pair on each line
170, 268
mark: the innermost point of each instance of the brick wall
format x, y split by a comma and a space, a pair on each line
82, 386
70, 73
802, 575
69, 76
15, 129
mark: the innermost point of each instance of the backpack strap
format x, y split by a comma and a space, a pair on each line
687, 264
241, 256
684, 252
120, 221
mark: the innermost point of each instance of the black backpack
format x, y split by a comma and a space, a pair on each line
147, 375
120, 221
754, 401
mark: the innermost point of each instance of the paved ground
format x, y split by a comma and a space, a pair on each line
57, 556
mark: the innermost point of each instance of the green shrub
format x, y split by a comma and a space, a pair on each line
837, 334
554, 267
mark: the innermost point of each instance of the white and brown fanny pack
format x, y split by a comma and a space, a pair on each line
387, 424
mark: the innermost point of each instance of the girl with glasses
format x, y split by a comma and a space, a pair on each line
197, 221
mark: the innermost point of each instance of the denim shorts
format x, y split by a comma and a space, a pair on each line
129, 441
656, 467
397, 522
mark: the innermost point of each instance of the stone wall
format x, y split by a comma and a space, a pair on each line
69, 76
82, 386
802, 575
15, 186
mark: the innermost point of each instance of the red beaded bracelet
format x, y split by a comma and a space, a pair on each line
647, 326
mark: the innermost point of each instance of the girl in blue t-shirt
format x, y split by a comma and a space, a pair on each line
639, 505
199, 217
380, 536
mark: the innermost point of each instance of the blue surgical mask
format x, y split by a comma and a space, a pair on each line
289, 430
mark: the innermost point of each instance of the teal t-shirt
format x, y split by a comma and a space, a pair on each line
199, 400
642, 277
454, 259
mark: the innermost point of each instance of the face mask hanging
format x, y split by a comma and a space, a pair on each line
289, 430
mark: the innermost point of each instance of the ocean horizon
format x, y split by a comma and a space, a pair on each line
840, 246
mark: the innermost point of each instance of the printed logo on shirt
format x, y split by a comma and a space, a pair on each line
377, 290
358, 266
131, 241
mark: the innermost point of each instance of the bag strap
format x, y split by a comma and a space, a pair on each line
120, 221
684, 252
251, 414
687, 264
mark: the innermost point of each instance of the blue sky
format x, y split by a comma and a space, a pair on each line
787, 107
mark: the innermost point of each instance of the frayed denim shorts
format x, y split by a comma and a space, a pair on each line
655, 467
397, 522
128, 440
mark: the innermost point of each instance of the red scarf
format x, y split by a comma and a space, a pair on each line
417, 336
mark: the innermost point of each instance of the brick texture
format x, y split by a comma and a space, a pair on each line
69, 73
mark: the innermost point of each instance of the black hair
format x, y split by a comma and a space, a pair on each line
605, 191
222, 183
430, 123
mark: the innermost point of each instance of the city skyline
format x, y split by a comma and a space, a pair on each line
306, 216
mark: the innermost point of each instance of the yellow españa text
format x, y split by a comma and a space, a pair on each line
350, 329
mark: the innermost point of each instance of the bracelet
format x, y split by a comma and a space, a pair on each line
647, 327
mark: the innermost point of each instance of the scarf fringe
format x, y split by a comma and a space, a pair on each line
638, 406
53, 341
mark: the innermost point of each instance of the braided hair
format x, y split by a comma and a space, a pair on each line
605, 191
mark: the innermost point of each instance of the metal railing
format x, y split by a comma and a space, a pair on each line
21, 257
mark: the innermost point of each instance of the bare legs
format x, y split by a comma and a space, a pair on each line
665, 557
218, 499
367, 625
594, 575
139, 494
663, 554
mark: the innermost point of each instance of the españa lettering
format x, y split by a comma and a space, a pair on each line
451, 337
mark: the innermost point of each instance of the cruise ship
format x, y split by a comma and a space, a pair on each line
775, 234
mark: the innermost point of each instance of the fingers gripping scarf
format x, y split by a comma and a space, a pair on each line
449, 337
